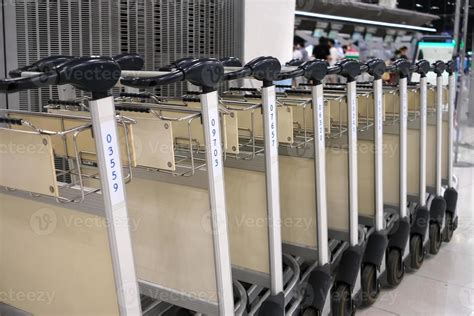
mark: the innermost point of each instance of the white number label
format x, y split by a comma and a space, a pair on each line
112, 162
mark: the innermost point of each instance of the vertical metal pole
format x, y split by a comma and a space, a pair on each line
320, 174
352, 156
215, 172
439, 132
269, 111
378, 146
457, 18
452, 98
110, 168
423, 131
403, 145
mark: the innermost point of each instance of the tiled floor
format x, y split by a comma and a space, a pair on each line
445, 283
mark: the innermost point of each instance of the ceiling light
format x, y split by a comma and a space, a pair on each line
362, 21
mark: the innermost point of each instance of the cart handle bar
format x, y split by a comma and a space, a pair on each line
93, 74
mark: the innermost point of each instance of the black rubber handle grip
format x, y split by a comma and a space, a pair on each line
206, 73
243, 89
191, 98
11, 121
65, 103
139, 109
297, 91
93, 74
230, 62
135, 95
284, 86
298, 72
44, 65
130, 61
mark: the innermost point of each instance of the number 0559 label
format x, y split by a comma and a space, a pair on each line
112, 162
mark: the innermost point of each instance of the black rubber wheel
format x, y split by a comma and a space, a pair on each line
370, 284
435, 238
309, 311
449, 229
341, 301
417, 253
395, 268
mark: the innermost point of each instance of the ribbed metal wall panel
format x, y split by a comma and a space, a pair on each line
160, 30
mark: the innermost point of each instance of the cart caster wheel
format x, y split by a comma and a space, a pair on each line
309, 311
417, 253
395, 268
341, 303
370, 285
449, 230
435, 238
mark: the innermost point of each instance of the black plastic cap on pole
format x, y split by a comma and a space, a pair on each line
90, 74
402, 67
315, 70
130, 61
265, 68
295, 62
205, 73
376, 68
450, 67
422, 67
349, 68
439, 67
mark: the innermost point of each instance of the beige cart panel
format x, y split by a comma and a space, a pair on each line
431, 154
285, 123
247, 217
413, 162
366, 175
172, 240
337, 166
153, 141
305, 114
55, 252
24, 149
391, 169
298, 203
85, 142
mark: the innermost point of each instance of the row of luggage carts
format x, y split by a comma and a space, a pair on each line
277, 200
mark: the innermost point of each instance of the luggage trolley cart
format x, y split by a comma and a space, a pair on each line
180, 188
300, 185
377, 223
318, 274
451, 194
252, 176
395, 175
71, 137
416, 167
438, 141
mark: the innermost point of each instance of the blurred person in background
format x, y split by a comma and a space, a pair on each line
299, 51
322, 50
